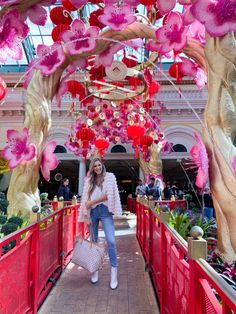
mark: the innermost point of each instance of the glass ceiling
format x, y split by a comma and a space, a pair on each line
42, 35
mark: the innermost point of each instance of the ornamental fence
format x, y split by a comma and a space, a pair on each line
32, 259
185, 283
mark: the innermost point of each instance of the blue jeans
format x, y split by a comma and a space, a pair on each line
101, 212
208, 212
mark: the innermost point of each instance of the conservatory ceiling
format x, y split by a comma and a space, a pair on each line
42, 35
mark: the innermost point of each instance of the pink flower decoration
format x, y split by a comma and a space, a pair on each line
37, 14
107, 56
49, 160
197, 31
219, 16
165, 6
189, 68
50, 58
117, 18
173, 34
12, 32
18, 148
188, 17
200, 157
78, 31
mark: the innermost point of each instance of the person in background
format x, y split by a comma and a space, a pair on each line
64, 190
153, 190
180, 194
100, 201
208, 204
168, 193
140, 189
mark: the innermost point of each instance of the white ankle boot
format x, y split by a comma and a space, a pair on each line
94, 277
114, 281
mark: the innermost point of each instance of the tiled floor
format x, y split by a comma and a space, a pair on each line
74, 293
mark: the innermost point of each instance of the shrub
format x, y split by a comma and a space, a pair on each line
16, 220
3, 219
8, 228
3, 203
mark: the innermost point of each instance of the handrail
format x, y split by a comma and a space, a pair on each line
217, 280
195, 279
177, 236
39, 259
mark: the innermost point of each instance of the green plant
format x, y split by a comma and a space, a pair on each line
16, 220
188, 197
8, 228
3, 219
3, 203
181, 223
206, 225
43, 196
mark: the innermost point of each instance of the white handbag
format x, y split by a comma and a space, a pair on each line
88, 254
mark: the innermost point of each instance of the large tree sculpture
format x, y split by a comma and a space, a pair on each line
219, 135
220, 119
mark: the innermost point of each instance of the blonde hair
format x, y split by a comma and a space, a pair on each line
92, 178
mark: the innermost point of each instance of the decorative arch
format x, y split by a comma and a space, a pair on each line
118, 149
181, 135
179, 148
60, 149
60, 135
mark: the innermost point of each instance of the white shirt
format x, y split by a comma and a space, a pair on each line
97, 193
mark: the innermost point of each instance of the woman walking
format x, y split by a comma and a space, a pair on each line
100, 201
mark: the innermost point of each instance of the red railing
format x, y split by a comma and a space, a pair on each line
183, 285
131, 204
29, 270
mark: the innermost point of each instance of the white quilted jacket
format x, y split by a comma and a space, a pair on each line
113, 197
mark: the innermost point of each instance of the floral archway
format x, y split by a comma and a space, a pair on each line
208, 42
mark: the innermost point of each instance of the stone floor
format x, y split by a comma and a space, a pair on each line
74, 293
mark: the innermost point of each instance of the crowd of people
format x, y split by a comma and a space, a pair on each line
156, 191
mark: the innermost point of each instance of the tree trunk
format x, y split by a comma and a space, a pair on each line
23, 188
219, 135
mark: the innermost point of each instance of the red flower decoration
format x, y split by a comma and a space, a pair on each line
93, 19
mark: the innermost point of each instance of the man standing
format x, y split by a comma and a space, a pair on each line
64, 190
153, 190
140, 189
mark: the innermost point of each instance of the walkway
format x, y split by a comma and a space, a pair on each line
74, 293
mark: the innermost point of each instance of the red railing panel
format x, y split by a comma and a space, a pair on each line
138, 226
48, 252
29, 270
14, 279
145, 234
155, 262
183, 285
68, 228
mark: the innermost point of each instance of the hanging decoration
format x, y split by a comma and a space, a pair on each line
145, 142
175, 71
86, 135
102, 145
58, 30
135, 132
58, 16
